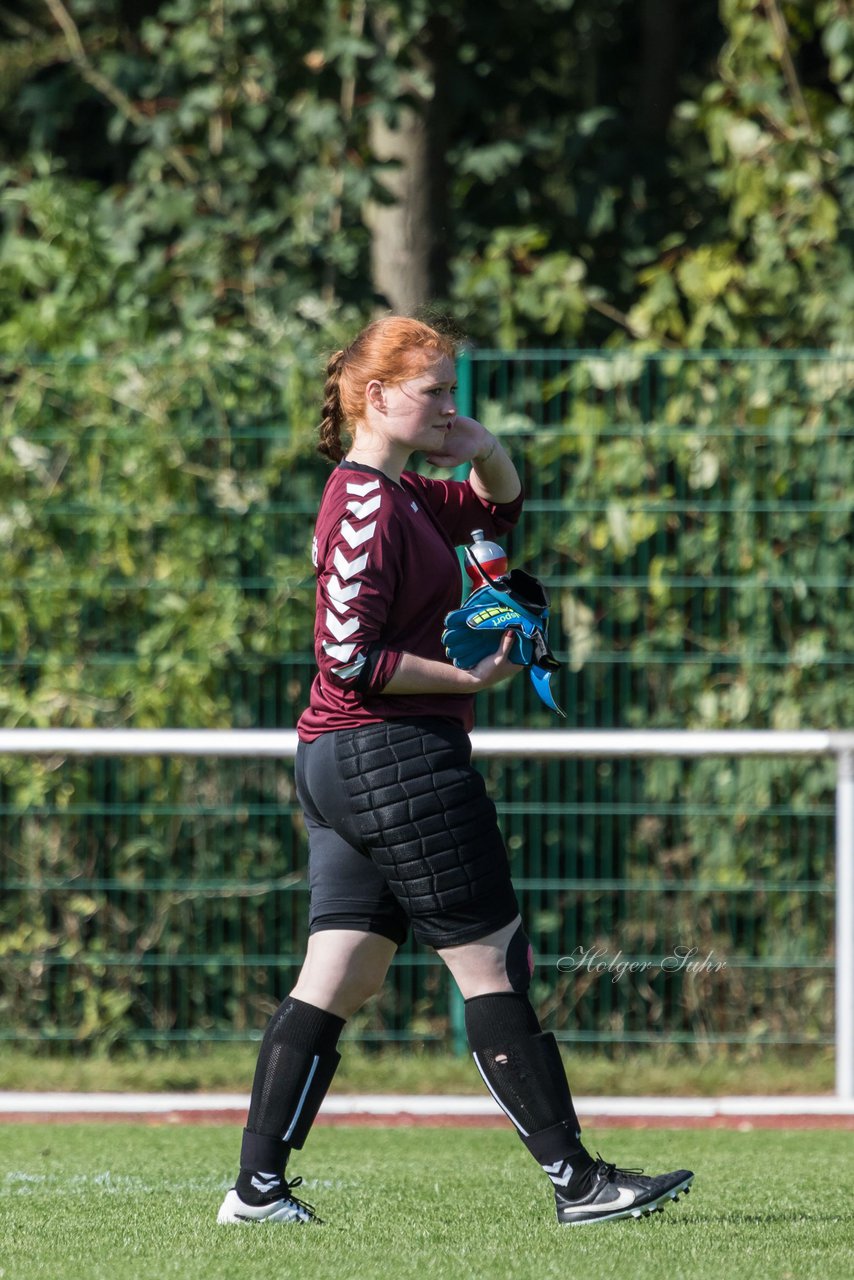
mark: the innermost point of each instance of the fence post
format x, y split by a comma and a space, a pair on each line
465, 406
845, 925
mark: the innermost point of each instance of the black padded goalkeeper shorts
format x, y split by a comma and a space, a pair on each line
402, 833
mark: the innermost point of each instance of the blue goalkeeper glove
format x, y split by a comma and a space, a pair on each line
516, 602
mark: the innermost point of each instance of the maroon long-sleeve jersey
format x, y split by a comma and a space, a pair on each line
387, 574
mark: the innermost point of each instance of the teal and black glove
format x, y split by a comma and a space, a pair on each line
516, 602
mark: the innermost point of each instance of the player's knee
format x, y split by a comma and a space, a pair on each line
519, 961
342, 995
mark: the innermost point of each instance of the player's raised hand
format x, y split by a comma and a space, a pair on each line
466, 440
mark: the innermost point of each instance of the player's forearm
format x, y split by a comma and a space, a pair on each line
426, 675
493, 475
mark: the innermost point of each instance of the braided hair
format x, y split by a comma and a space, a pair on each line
333, 418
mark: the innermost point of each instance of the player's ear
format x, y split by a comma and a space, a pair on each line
375, 393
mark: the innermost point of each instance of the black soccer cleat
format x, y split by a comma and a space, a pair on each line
610, 1193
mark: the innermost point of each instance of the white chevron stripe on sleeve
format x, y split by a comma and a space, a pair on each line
357, 537
341, 630
350, 672
348, 568
338, 607
337, 591
340, 652
362, 509
361, 489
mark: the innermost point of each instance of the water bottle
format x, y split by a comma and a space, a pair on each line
485, 561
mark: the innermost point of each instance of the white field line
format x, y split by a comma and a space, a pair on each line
23, 1103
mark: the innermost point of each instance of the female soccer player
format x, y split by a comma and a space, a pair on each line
401, 831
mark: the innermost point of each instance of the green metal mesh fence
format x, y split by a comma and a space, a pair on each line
692, 517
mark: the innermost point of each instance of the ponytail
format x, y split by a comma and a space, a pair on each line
330, 426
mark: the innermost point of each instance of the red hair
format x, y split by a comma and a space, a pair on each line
391, 350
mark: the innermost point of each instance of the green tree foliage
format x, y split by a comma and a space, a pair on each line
187, 166
152, 538
775, 264
693, 518
182, 235
155, 571
603, 170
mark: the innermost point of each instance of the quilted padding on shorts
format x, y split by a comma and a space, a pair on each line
425, 817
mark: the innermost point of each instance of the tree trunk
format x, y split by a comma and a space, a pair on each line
409, 252
400, 230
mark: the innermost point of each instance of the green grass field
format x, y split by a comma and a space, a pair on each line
665, 1070
126, 1202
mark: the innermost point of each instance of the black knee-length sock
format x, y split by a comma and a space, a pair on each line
296, 1063
522, 1068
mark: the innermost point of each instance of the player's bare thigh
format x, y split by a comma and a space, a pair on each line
480, 968
342, 969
